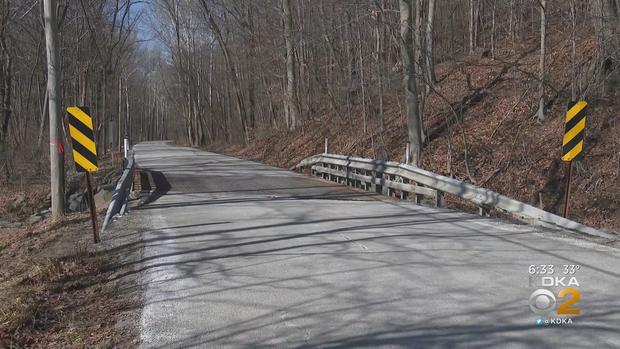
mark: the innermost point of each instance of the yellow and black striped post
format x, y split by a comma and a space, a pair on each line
573, 141
575, 125
83, 139
84, 153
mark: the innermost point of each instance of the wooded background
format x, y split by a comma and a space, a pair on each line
232, 71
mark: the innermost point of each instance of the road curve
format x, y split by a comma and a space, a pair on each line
239, 254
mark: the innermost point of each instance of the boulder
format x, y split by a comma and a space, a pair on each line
7, 224
109, 187
44, 211
103, 198
35, 218
39, 216
78, 202
73, 184
16, 204
19, 200
25, 210
134, 195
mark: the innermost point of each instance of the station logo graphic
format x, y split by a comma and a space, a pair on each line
554, 308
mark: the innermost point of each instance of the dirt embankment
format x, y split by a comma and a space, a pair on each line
483, 115
58, 289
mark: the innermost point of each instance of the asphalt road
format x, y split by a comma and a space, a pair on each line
240, 254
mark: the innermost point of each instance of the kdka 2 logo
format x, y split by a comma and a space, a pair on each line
543, 302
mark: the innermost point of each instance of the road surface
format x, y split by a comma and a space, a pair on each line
240, 254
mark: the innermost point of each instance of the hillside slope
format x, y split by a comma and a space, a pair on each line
498, 144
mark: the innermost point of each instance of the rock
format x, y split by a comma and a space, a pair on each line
26, 210
103, 198
134, 195
108, 187
45, 213
19, 200
73, 184
7, 224
16, 204
77, 202
34, 219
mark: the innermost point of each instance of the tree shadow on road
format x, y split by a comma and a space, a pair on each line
160, 186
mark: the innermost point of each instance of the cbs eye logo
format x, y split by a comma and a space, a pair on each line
543, 301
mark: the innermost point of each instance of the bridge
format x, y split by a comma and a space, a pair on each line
240, 254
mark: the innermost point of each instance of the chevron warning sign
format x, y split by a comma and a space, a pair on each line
572, 143
83, 139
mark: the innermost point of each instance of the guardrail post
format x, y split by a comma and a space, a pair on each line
407, 151
374, 187
404, 194
387, 191
126, 146
484, 211
419, 198
325, 145
439, 201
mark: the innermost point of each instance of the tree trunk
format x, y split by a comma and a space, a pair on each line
361, 67
120, 114
291, 79
53, 88
231, 69
418, 41
251, 59
414, 122
430, 64
606, 14
493, 30
472, 26
541, 75
127, 114
573, 55
379, 60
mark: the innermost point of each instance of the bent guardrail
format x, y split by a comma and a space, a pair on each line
387, 177
118, 205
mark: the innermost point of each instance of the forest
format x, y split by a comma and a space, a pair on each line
211, 238
477, 87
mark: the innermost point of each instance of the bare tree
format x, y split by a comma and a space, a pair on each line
291, 79
6, 70
573, 52
430, 64
472, 25
606, 17
541, 74
53, 90
231, 68
414, 122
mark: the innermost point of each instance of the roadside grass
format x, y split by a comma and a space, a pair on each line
55, 288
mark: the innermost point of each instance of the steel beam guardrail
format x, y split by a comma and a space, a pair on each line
382, 174
118, 205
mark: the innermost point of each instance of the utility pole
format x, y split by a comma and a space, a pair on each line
53, 89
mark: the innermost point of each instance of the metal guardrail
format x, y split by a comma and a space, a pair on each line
387, 177
118, 205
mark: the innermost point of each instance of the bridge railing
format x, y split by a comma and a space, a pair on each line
118, 205
392, 178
